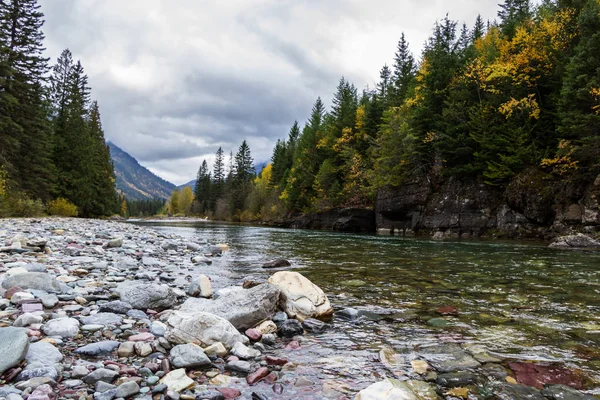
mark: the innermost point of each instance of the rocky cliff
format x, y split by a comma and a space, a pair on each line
534, 205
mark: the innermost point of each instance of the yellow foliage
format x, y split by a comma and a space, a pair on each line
347, 138
596, 93
262, 182
3, 181
563, 162
62, 207
431, 137
361, 114
528, 105
186, 197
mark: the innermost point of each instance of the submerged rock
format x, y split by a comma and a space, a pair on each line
540, 374
300, 298
393, 389
448, 358
278, 263
579, 241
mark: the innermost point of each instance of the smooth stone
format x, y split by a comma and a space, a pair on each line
43, 353
28, 319
456, 379
92, 328
108, 395
300, 297
243, 367
33, 280
116, 307
448, 358
127, 389
63, 327
104, 387
278, 263
102, 318
216, 349
291, 328
210, 395
126, 349
244, 352
201, 327
200, 287
101, 374
142, 295
14, 344
257, 375
97, 349
563, 392
393, 389
177, 380
188, 356
243, 308
158, 328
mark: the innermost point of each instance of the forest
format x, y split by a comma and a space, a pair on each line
481, 103
53, 156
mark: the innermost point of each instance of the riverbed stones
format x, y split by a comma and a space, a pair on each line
33, 280
201, 327
277, 263
448, 357
102, 318
116, 307
244, 352
127, 389
142, 295
188, 356
563, 392
62, 327
14, 344
393, 389
300, 298
243, 308
216, 349
291, 328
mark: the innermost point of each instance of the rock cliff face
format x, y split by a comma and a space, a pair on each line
343, 220
533, 205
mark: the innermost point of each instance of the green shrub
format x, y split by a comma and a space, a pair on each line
62, 207
20, 205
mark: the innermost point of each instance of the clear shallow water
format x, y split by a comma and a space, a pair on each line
519, 300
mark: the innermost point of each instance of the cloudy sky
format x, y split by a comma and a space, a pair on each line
177, 79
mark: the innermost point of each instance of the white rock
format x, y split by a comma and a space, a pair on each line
177, 380
201, 327
300, 298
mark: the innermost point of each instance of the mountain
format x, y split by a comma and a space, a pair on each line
191, 184
135, 181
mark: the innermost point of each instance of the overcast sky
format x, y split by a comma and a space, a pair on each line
177, 79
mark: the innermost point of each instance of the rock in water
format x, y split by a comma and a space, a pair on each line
141, 295
188, 356
579, 241
190, 327
13, 347
300, 298
243, 308
393, 389
33, 280
278, 263
200, 287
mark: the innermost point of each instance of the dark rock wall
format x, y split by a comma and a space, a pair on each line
533, 205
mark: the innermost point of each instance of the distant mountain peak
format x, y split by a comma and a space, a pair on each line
135, 181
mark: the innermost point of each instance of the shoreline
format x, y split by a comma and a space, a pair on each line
119, 317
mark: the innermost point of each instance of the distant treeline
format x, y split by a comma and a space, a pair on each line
52, 148
481, 103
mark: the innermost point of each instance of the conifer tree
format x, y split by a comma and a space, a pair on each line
24, 129
404, 71
512, 14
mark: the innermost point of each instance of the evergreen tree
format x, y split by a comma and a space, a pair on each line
218, 179
580, 96
279, 163
24, 129
104, 196
404, 72
202, 189
478, 29
512, 14
385, 84
243, 174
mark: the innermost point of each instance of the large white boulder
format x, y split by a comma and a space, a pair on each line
201, 328
300, 298
393, 389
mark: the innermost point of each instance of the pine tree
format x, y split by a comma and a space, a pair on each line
404, 72
104, 196
478, 29
243, 164
385, 84
24, 129
202, 189
218, 179
512, 14
580, 96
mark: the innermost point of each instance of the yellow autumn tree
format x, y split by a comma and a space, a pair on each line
186, 197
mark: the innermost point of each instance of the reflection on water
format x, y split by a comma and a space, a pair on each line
514, 298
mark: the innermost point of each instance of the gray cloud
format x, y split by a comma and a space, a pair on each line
177, 79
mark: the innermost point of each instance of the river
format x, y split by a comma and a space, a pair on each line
516, 300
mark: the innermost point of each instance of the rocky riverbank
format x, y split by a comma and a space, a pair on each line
106, 310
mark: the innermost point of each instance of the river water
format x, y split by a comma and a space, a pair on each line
517, 300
